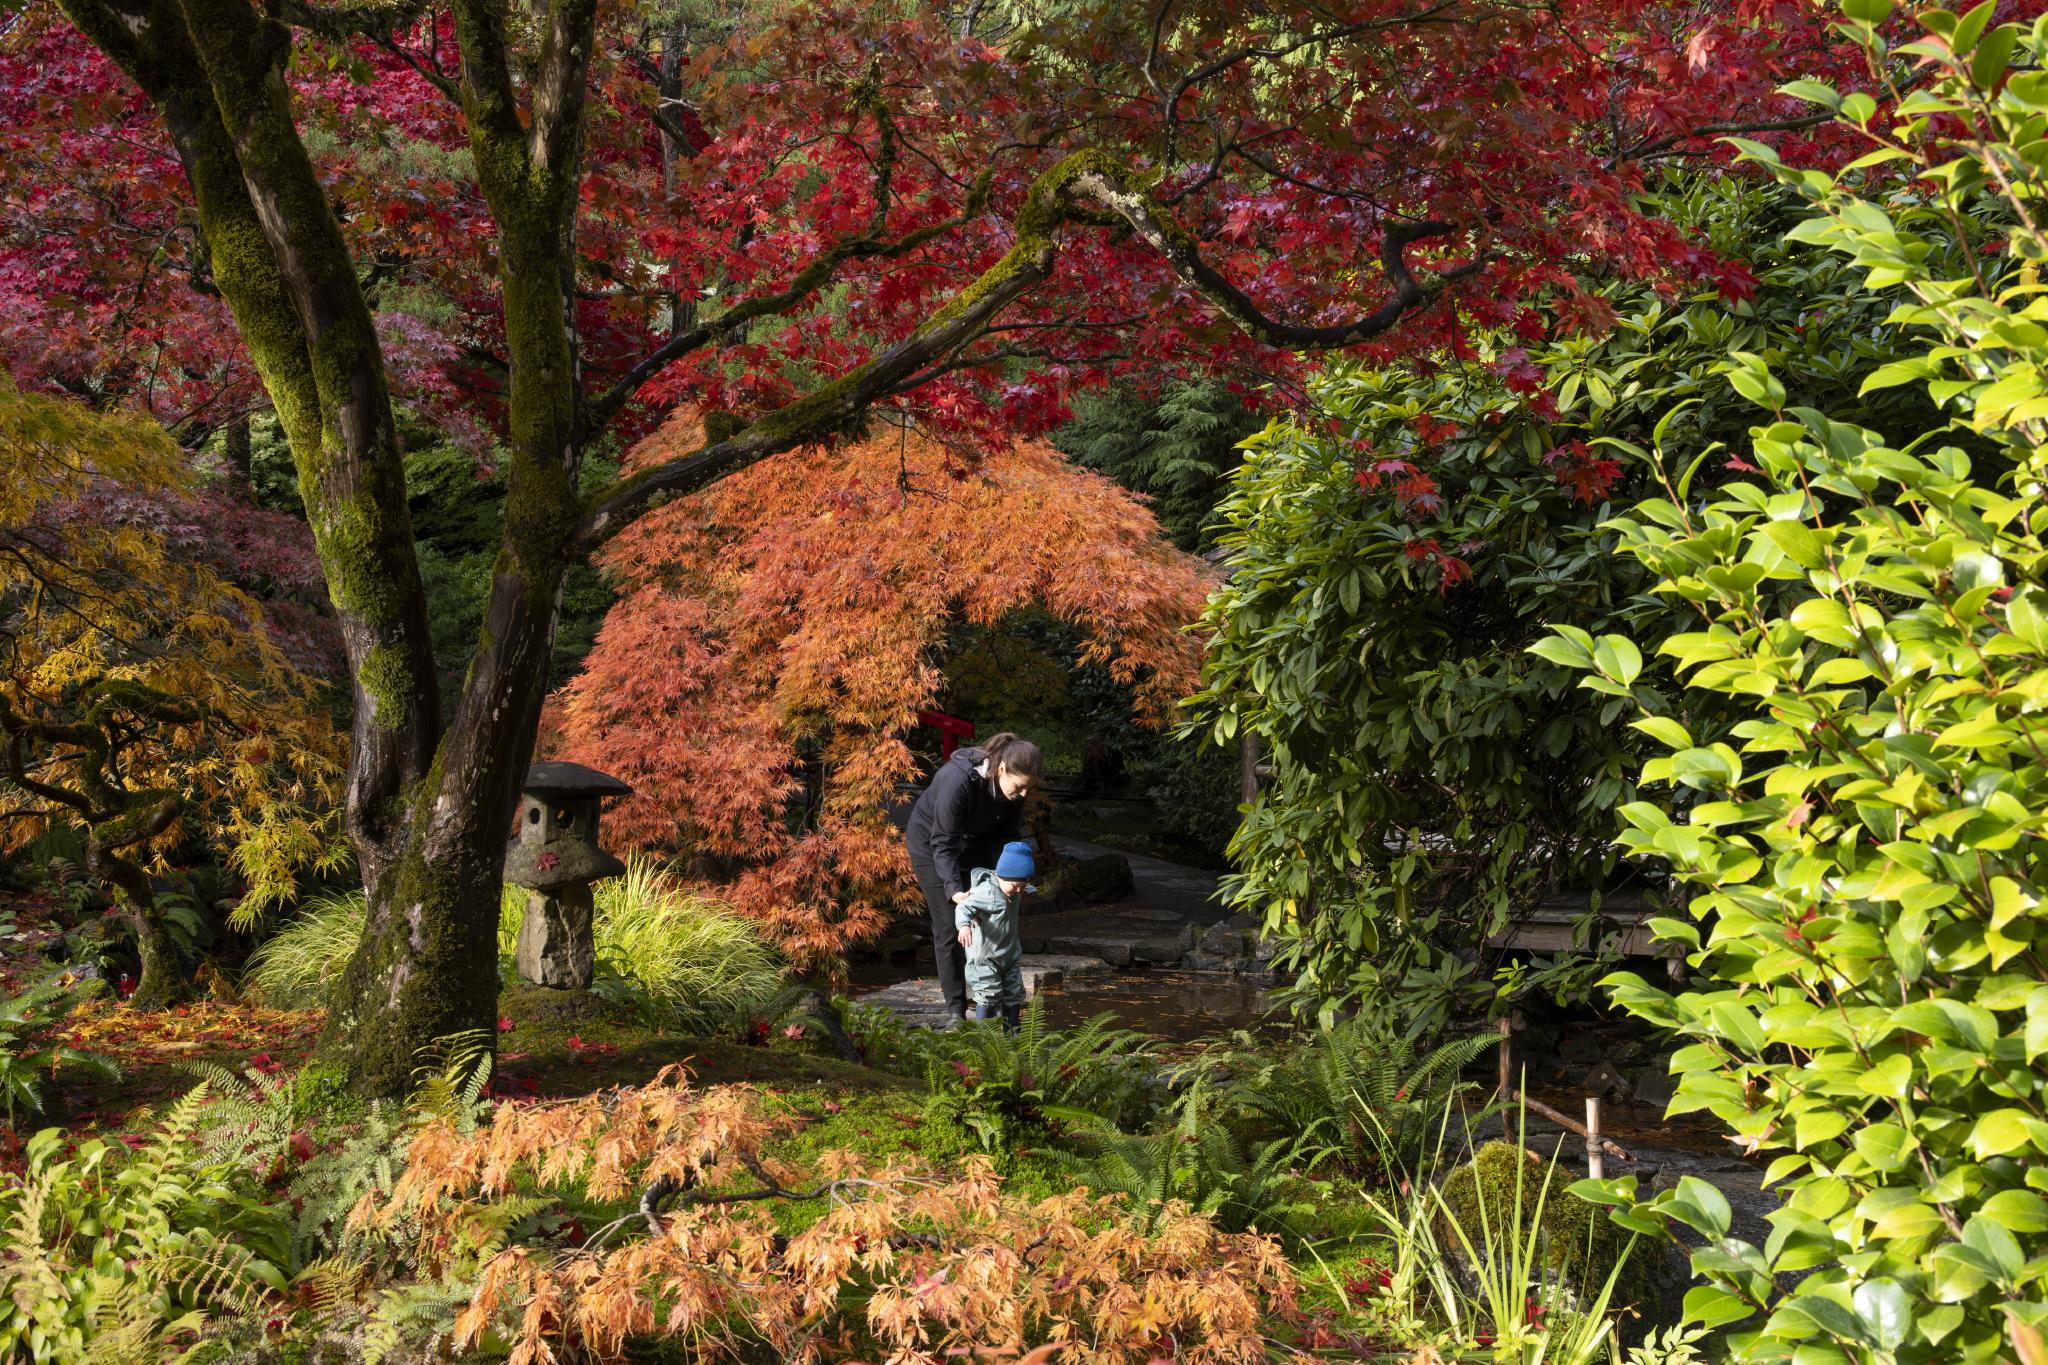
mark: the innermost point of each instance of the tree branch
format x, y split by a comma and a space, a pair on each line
835, 404
487, 97
428, 72
1167, 238
816, 275
561, 88
1652, 146
1086, 187
370, 19
1216, 66
17, 730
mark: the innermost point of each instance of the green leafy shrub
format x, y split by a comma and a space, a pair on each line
1358, 1098
677, 956
1002, 1086
1391, 562
112, 1253
1872, 1003
1200, 1161
28, 1053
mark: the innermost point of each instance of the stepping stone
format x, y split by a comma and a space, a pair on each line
1115, 951
1164, 949
1049, 969
922, 1004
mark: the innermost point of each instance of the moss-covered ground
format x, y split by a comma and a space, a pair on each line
551, 1045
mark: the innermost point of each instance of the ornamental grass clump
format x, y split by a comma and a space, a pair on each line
676, 955
683, 959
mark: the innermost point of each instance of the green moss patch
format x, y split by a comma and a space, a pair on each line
1499, 1191
553, 1044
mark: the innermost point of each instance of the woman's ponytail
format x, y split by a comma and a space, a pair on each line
1006, 752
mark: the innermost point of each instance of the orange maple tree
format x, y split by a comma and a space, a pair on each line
778, 632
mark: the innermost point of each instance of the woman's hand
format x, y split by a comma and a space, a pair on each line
959, 896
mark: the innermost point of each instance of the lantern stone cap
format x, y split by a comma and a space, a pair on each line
571, 779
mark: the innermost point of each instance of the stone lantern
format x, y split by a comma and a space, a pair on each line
555, 856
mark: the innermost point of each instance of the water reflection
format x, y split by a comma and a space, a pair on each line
1175, 1005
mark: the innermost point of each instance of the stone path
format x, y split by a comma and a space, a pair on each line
1171, 919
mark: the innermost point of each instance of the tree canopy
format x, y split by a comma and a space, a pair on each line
142, 692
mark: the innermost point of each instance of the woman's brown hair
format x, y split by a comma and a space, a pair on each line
1020, 756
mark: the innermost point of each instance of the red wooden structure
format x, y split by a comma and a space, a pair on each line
951, 730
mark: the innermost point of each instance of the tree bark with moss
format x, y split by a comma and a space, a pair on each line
429, 798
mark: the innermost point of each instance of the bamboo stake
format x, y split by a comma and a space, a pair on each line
1507, 1060
1511, 1096
1570, 1125
1594, 1167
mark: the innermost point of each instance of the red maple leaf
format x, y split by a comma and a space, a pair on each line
1517, 371
1586, 476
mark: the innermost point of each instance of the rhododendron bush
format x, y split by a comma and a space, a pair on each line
778, 633
1395, 554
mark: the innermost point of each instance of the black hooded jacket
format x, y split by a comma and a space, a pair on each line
960, 821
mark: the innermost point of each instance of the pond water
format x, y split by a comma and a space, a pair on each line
1174, 1005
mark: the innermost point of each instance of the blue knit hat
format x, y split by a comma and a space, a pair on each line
1016, 864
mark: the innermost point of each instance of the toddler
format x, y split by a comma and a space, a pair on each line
987, 919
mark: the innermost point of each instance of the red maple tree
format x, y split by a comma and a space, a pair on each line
778, 633
897, 150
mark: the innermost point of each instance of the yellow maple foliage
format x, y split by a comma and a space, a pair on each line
139, 690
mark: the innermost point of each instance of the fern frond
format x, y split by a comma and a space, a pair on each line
331, 1284
450, 1082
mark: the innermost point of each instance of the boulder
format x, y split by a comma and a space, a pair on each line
1606, 1081
1654, 1084
1100, 880
1163, 949
1226, 939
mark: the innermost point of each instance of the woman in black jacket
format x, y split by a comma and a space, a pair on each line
974, 805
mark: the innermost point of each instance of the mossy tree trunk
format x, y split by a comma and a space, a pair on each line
429, 806
428, 964
215, 70
161, 981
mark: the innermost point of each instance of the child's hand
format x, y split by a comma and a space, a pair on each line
966, 938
